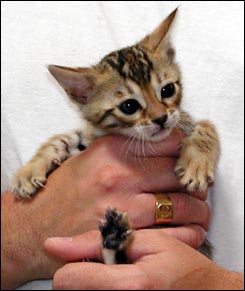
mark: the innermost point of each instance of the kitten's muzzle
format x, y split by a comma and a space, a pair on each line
161, 120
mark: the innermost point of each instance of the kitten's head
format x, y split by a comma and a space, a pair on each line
134, 91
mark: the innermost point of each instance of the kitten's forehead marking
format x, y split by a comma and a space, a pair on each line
155, 80
130, 89
131, 63
155, 108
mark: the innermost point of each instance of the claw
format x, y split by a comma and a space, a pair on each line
209, 181
127, 234
197, 186
179, 172
26, 195
188, 183
39, 183
180, 146
102, 224
56, 162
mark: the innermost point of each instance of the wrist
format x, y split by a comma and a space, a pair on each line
14, 269
210, 276
222, 279
21, 254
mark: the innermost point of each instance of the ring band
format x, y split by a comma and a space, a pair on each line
164, 209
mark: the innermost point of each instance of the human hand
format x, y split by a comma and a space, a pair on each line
77, 194
159, 262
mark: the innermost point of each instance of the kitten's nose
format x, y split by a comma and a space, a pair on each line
161, 120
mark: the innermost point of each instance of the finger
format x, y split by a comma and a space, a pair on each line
202, 195
168, 147
96, 276
85, 246
192, 235
127, 145
157, 174
186, 210
141, 210
145, 241
151, 241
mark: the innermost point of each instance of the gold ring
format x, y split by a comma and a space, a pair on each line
164, 209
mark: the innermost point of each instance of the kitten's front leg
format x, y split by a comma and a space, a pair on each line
198, 158
32, 176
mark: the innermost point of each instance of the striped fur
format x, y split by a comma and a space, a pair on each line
138, 73
130, 63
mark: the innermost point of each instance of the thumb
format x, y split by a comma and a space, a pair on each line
85, 246
89, 245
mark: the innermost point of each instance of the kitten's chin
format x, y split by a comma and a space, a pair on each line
160, 135
155, 136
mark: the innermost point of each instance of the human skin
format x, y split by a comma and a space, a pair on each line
159, 262
77, 194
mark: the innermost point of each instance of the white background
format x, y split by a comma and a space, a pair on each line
208, 37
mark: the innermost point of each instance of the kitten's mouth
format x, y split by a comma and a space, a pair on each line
160, 134
159, 131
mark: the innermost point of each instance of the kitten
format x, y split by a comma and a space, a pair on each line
135, 91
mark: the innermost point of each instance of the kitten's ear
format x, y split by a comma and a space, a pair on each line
79, 84
158, 39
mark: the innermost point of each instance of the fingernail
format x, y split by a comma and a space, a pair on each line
202, 233
58, 240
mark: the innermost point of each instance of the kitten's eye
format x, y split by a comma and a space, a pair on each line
168, 90
129, 106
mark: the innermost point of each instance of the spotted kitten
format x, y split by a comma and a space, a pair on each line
135, 91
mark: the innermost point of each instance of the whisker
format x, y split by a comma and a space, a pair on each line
143, 142
149, 144
137, 150
141, 148
131, 142
124, 145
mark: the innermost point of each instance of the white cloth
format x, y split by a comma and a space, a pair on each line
208, 37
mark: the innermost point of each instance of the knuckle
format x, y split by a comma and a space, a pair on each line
181, 206
100, 146
59, 280
194, 238
110, 176
207, 216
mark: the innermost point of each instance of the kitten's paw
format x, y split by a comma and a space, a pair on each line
114, 229
116, 236
28, 180
194, 174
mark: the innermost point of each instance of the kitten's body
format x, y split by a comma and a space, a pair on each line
136, 92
